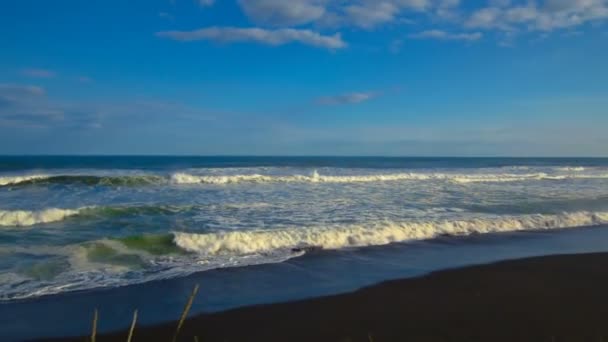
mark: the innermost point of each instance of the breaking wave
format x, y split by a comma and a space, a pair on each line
23, 218
141, 258
380, 233
315, 177
571, 168
20, 218
187, 178
12, 180
127, 180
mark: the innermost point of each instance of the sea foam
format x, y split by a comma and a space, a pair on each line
380, 233
185, 178
20, 218
11, 180
560, 173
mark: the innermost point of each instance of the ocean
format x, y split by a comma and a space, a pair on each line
257, 229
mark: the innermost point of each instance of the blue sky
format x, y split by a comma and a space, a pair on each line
305, 77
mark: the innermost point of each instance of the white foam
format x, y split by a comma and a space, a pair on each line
502, 178
381, 233
184, 178
220, 250
20, 218
11, 180
85, 274
571, 169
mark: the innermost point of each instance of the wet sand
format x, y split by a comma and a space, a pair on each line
552, 298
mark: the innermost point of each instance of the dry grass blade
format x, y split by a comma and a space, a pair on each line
185, 313
94, 329
132, 326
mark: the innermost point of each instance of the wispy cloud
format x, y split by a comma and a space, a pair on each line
283, 13
362, 13
443, 35
206, 3
348, 98
505, 16
38, 73
395, 46
29, 106
550, 16
166, 15
84, 79
370, 14
10, 91
258, 35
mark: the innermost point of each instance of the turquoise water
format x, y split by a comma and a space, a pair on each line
90, 223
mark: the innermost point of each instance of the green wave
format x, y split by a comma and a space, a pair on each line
29, 218
121, 211
105, 252
134, 180
161, 244
46, 270
101, 253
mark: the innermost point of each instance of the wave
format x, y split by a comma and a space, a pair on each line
571, 168
561, 173
12, 180
315, 177
115, 262
161, 244
20, 218
141, 258
381, 233
130, 180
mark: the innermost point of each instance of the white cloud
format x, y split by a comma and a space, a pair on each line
372, 14
443, 35
359, 13
447, 9
485, 18
258, 35
348, 98
38, 73
549, 16
512, 16
282, 12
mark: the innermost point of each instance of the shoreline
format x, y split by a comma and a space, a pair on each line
547, 298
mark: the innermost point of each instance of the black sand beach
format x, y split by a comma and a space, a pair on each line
552, 298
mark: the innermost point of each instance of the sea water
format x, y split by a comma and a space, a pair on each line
85, 223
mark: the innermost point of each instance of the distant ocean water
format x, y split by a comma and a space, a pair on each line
76, 223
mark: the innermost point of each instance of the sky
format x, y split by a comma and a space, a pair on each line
305, 77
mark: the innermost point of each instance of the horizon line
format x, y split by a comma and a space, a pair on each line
295, 156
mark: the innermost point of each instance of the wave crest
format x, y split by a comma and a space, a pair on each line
20, 218
255, 242
93, 180
315, 177
12, 180
571, 168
